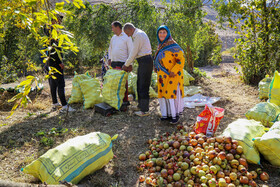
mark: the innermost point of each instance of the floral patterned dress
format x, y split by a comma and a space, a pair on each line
173, 61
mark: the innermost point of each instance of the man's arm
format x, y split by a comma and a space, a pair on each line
110, 52
129, 45
134, 52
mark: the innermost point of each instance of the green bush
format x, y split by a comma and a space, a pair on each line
19, 50
207, 46
257, 49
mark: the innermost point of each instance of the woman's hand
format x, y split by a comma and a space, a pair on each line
171, 74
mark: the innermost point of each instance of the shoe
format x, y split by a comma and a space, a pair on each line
67, 108
166, 119
56, 106
141, 114
123, 108
174, 121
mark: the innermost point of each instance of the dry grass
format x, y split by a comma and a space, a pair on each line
19, 144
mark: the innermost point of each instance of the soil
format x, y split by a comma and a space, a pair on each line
19, 144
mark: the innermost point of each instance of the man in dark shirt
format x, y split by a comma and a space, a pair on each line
57, 85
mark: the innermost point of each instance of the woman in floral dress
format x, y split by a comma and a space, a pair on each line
169, 64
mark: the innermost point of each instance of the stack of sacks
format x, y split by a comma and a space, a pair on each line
87, 89
268, 112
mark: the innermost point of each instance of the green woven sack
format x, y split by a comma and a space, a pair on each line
131, 77
267, 113
91, 92
114, 87
76, 93
274, 89
187, 78
244, 131
73, 160
154, 81
268, 144
264, 88
133, 82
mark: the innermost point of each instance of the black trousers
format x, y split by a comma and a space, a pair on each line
58, 86
144, 74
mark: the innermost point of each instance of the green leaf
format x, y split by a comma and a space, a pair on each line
59, 5
18, 96
40, 133
76, 5
54, 34
30, 77
61, 40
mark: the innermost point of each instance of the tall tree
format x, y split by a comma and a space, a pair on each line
33, 16
257, 23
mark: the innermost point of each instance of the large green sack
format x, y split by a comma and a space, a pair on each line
114, 87
91, 92
187, 78
154, 80
269, 144
76, 93
130, 79
152, 92
267, 113
74, 159
274, 89
264, 88
192, 90
244, 130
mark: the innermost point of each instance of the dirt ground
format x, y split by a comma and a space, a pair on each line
19, 144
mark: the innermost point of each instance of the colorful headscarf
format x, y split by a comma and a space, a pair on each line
168, 44
167, 36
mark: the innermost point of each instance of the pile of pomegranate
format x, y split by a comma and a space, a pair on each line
190, 159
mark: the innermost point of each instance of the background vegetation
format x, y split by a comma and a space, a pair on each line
24, 45
91, 27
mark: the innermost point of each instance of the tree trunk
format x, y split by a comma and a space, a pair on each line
189, 58
266, 38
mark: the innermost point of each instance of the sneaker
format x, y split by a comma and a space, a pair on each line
175, 121
67, 108
56, 106
141, 114
166, 119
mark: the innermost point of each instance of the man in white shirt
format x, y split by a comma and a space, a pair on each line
142, 51
119, 49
